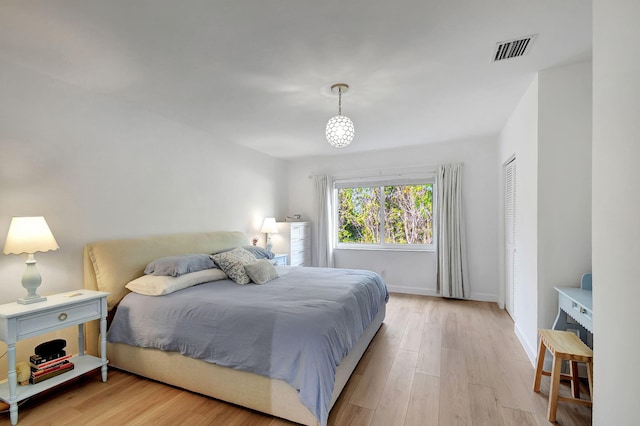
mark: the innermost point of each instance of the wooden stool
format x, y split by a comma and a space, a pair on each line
563, 345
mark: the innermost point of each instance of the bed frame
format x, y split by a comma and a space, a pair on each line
110, 265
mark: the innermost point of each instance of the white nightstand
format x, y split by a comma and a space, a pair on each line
280, 259
18, 322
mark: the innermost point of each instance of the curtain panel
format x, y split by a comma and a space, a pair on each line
324, 241
452, 277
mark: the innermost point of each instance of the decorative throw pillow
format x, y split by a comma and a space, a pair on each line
232, 263
159, 285
261, 271
174, 266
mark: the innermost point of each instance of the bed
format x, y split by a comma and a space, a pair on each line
110, 265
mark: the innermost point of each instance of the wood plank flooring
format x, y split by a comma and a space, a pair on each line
433, 362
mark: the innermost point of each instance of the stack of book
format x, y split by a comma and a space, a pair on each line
46, 367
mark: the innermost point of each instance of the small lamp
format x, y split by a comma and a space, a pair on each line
269, 227
29, 235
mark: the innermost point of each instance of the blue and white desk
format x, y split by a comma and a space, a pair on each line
576, 303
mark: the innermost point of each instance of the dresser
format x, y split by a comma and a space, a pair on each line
294, 240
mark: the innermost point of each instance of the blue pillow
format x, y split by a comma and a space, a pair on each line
174, 266
258, 252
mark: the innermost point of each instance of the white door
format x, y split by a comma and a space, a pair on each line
510, 234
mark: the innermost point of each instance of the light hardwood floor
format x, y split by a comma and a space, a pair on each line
433, 362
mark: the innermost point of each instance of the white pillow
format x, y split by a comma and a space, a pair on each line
159, 285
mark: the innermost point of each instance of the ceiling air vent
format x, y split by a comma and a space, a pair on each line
513, 48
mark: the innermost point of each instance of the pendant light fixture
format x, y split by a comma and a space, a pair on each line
340, 131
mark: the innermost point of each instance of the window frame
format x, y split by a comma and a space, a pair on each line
380, 182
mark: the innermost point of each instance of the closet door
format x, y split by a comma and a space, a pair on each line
510, 235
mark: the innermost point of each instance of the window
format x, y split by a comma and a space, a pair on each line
387, 214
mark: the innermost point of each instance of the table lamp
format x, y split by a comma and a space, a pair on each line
269, 227
29, 235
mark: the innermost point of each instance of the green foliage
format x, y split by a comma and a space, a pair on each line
359, 215
407, 211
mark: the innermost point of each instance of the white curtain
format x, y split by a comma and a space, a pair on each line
452, 277
324, 239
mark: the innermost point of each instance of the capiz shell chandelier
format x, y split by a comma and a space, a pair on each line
340, 130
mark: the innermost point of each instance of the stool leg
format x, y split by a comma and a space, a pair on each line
555, 387
575, 379
542, 351
590, 377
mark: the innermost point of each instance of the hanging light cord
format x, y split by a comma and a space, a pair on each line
339, 100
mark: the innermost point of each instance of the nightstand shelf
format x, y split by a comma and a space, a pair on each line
18, 322
81, 365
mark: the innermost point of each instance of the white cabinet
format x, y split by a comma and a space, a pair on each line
294, 239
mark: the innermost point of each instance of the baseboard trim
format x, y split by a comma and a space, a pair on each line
531, 352
412, 290
479, 297
484, 297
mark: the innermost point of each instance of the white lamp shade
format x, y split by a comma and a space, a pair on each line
340, 131
269, 226
29, 235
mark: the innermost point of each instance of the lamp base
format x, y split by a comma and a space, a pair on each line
31, 281
27, 300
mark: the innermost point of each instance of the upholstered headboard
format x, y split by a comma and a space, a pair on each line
110, 265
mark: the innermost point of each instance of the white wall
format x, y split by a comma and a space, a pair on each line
97, 168
564, 182
520, 138
550, 134
616, 211
414, 272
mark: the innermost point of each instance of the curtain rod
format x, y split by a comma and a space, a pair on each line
369, 173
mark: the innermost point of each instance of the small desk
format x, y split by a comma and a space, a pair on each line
578, 304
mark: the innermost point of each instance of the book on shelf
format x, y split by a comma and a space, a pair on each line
44, 359
40, 371
51, 362
41, 378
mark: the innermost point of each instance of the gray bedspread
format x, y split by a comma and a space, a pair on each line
295, 328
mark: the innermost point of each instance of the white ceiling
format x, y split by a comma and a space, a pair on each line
258, 73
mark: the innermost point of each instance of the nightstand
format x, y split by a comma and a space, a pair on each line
18, 322
280, 259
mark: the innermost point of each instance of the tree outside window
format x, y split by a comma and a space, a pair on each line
389, 215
